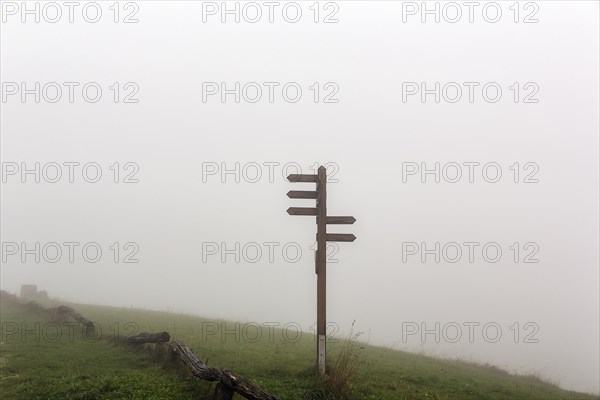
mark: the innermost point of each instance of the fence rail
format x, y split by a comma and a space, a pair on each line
228, 382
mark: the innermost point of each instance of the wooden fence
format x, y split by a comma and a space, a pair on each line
228, 382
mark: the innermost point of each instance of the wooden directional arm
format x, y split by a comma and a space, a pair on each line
341, 220
302, 194
303, 178
302, 211
340, 237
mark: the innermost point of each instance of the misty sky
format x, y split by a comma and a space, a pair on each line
361, 112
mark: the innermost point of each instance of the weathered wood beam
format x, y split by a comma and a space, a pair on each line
228, 380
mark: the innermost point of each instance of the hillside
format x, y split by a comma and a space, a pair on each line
37, 361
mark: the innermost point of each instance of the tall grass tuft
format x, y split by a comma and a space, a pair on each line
338, 383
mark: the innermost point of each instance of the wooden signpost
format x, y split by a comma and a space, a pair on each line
320, 211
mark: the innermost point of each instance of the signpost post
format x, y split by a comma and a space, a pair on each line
320, 211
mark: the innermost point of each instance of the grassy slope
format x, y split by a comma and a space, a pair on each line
94, 369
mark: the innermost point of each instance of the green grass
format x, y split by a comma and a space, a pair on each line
75, 368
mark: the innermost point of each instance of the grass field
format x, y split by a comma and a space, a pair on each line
45, 363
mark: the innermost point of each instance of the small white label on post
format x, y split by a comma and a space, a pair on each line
321, 350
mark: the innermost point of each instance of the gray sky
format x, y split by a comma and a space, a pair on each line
369, 122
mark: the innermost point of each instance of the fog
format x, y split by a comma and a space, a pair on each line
369, 125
